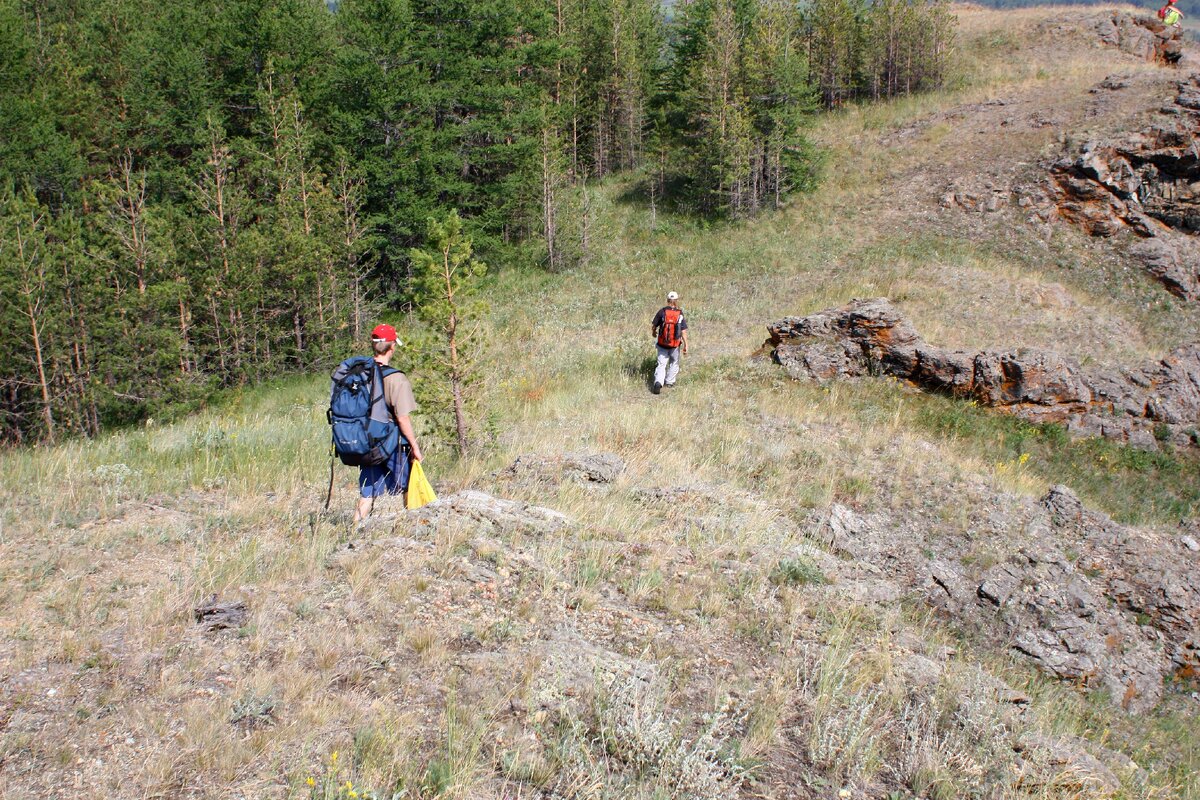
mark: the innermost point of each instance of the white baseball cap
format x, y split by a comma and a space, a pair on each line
672, 295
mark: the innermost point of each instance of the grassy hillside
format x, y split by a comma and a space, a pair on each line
364, 664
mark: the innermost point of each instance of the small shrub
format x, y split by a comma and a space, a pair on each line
636, 730
253, 711
211, 438
798, 571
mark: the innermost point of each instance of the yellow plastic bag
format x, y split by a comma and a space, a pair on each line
420, 493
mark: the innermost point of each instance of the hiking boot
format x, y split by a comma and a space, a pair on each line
656, 388
668, 386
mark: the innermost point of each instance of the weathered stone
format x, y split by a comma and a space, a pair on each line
948, 588
866, 337
998, 585
1122, 615
919, 671
216, 616
1145, 37
1065, 507
843, 531
581, 467
1146, 182
475, 510
1173, 260
1111, 83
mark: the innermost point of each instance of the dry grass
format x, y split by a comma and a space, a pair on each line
422, 663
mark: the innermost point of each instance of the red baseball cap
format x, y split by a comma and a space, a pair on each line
383, 333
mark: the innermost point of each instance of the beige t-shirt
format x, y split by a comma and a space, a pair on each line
397, 391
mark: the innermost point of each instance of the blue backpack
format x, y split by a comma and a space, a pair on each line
364, 433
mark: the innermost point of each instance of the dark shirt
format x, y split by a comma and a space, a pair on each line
658, 320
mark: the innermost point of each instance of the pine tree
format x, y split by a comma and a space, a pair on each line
835, 41
30, 292
227, 279
777, 81
719, 121
449, 277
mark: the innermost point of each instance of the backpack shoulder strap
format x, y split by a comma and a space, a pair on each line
376, 385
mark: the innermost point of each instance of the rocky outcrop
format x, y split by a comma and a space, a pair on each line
477, 511
1146, 183
1086, 600
1156, 402
585, 468
1145, 37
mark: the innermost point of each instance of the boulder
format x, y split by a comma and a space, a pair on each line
1064, 506
1172, 260
214, 615
1124, 614
844, 531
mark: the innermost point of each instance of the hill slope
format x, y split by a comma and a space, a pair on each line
718, 613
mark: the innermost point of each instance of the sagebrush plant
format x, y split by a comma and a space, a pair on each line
636, 730
797, 571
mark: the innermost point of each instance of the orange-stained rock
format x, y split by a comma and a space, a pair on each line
1152, 403
1146, 183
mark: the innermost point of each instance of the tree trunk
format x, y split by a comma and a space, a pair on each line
47, 410
549, 226
460, 420
33, 312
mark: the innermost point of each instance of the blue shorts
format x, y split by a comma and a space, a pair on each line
390, 477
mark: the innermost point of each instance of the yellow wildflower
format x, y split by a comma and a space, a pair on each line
1024, 457
333, 758
311, 781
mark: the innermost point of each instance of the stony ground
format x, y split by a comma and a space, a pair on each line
746, 587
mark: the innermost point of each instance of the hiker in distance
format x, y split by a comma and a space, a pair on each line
369, 410
669, 329
1171, 15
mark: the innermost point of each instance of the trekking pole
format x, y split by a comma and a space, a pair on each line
329, 496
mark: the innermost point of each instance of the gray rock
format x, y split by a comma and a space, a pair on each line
999, 584
217, 616
1065, 507
844, 532
949, 589
580, 467
919, 671
1172, 259
475, 511
1124, 619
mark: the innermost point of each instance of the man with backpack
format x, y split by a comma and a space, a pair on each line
669, 329
369, 410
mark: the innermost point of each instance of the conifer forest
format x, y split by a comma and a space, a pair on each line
199, 195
